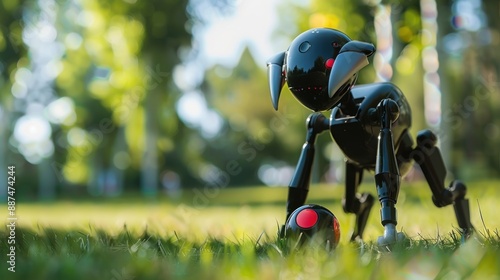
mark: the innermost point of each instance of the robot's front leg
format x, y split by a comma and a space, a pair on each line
387, 176
299, 185
428, 156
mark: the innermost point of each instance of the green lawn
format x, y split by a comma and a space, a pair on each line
231, 234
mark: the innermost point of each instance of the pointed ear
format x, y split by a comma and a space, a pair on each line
276, 77
352, 57
359, 47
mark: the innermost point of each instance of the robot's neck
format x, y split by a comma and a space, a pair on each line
347, 105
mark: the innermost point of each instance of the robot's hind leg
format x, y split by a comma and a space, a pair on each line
359, 204
428, 156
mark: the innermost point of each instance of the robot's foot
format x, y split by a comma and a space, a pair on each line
366, 201
391, 236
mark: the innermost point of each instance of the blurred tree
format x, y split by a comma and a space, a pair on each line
114, 84
12, 56
12, 48
490, 85
28, 90
126, 59
469, 40
129, 50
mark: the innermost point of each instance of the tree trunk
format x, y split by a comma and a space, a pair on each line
119, 145
3, 153
149, 164
46, 180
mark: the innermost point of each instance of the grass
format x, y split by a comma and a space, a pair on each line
232, 235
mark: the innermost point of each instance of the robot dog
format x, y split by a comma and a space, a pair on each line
370, 123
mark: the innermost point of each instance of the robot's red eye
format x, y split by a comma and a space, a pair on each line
307, 218
329, 63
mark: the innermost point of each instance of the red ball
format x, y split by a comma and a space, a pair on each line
313, 225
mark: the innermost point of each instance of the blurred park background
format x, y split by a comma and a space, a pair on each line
105, 98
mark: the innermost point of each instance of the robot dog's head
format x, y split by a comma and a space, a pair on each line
320, 67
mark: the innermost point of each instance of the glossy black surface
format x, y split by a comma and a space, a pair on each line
370, 124
325, 231
357, 46
357, 136
306, 70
